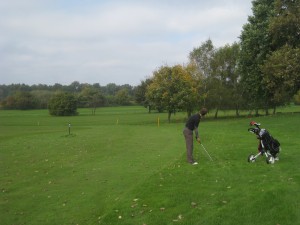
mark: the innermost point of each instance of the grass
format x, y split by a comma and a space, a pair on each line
120, 167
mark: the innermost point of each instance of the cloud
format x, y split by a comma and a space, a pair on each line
60, 41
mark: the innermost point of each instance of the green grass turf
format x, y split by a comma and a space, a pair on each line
120, 167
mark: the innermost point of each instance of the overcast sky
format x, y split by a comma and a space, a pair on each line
108, 41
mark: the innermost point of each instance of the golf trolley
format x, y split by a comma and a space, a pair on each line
268, 146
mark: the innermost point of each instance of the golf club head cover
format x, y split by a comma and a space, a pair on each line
253, 123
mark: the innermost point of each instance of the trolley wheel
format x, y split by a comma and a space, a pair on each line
270, 159
251, 158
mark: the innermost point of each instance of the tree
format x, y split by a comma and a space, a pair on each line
111, 89
91, 96
282, 74
255, 46
63, 104
198, 94
122, 97
297, 98
225, 91
281, 68
75, 87
171, 89
285, 25
140, 94
202, 57
42, 98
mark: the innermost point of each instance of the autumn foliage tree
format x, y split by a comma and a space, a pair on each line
172, 89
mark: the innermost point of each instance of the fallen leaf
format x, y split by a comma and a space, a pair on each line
193, 204
134, 205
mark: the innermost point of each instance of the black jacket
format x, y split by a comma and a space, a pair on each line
193, 122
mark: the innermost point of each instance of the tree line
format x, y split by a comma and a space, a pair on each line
22, 96
261, 71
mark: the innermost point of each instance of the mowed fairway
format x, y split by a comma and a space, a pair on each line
122, 167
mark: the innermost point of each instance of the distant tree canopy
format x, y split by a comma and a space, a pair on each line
20, 100
21, 96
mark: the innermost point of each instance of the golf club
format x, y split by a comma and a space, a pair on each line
206, 152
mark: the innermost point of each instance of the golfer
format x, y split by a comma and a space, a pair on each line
190, 127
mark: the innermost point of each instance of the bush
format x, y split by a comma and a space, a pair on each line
63, 104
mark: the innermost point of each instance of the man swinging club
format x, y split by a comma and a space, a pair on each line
190, 126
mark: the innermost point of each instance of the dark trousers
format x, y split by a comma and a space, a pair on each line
188, 135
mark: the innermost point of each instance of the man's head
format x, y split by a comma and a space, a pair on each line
203, 111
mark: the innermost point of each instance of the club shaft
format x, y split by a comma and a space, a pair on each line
206, 152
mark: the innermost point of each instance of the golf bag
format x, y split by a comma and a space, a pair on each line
268, 146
